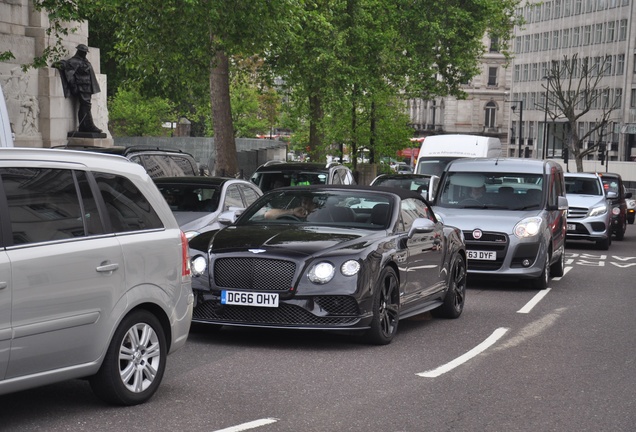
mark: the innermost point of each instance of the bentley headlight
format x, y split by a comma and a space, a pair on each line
350, 268
528, 227
198, 264
321, 273
597, 211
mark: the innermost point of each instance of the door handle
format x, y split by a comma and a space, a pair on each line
105, 268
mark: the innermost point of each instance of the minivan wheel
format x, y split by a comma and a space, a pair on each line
135, 361
556, 269
542, 281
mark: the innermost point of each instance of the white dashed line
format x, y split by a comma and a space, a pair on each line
536, 299
494, 337
249, 425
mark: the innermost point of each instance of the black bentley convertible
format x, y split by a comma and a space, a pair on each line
329, 258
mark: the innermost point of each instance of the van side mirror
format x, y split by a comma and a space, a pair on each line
612, 195
563, 203
628, 195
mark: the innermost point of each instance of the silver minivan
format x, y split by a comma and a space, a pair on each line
513, 213
94, 274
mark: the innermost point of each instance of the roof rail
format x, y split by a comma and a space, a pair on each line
273, 162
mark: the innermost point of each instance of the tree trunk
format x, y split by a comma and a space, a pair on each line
315, 134
226, 163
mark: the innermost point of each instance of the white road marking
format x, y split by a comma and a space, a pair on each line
249, 425
536, 299
566, 270
494, 337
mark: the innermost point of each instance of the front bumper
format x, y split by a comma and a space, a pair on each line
327, 312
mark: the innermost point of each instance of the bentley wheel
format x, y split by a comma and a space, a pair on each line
135, 361
386, 309
456, 295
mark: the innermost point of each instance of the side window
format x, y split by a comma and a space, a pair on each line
91, 214
232, 198
43, 204
249, 194
412, 209
128, 209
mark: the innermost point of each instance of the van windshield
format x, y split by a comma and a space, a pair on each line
505, 191
433, 166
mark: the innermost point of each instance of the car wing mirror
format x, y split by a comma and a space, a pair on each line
229, 217
562, 203
628, 195
421, 226
612, 195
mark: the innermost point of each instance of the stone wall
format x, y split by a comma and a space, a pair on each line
39, 114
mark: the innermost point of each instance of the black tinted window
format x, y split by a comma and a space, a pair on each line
128, 209
43, 204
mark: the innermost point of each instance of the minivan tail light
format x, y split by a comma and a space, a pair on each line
185, 256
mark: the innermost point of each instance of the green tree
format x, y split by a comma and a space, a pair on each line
184, 49
133, 115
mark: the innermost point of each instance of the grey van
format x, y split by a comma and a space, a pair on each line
513, 213
94, 274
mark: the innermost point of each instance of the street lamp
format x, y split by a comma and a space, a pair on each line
545, 118
520, 102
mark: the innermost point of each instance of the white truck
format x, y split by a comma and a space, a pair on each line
438, 150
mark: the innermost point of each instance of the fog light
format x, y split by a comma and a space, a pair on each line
526, 263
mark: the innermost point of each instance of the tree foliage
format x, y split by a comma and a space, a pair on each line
134, 115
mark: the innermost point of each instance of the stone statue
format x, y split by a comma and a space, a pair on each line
79, 80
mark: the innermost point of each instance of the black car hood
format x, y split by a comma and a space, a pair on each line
290, 239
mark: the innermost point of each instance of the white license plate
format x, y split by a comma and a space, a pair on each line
249, 298
482, 255
571, 227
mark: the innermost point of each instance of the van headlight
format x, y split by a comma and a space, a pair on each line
599, 210
528, 227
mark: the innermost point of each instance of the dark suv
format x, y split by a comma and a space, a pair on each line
275, 174
158, 162
616, 195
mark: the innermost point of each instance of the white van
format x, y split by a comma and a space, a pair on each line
6, 137
438, 150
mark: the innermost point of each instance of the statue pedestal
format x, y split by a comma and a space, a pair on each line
92, 135
89, 139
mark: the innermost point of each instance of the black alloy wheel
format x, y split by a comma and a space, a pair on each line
386, 309
456, 296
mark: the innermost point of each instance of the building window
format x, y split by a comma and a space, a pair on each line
536, 42
620, 64
632, 99
576, 36
611, 31
546, 41
494, 44
587, 34
535, 72
557, 9
517, 73
490, 112
492, 76
555, 39
526, 73
565, 41
578, 7
526, 43
622, 30
618, 98
598, 34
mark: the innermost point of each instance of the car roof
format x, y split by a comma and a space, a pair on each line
502, 165
201, 180
403, 176
581, 175
296, 166
89, 159
402, 193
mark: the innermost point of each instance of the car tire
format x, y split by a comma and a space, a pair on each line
456, 295
620, 233
557, 269
605, 243
542, 281
386, 309
134, 363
